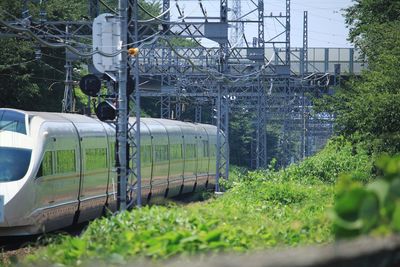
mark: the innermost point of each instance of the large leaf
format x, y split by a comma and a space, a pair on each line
369, 211
381, 188
348, 205
396, 217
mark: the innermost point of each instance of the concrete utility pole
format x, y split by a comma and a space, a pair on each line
122, 122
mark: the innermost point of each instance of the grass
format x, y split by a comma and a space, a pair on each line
262, 209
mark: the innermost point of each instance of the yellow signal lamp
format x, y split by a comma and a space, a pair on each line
133, 52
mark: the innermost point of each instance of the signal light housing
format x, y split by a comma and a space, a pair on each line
90, 85
106, 111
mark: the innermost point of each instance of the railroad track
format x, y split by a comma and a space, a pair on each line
17, 247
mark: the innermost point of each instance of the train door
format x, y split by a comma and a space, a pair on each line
175, 179
212, 159
57, 180
44, 186
190, 154
202, 158
112, 172
95, 170
66, 177
146, 156
160, 143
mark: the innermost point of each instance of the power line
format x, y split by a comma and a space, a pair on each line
17, 64
33, 77
59, 45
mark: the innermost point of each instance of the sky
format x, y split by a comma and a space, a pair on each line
326, 26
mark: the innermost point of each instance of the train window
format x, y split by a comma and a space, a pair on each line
12, 121
176, 151
213, 150
47, 164
160, 152
190, 151
205, 149
112, 153
96, 158
14, 163
145, 153
46, 167
65, 161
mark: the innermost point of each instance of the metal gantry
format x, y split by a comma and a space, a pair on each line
135, 99
122, 128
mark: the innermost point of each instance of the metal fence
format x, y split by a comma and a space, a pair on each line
322, 59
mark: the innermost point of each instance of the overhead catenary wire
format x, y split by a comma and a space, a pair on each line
34, 77
64, 44
4, 66
158, 17
154, 18
219, 75
108, 7
214, 73
36, 28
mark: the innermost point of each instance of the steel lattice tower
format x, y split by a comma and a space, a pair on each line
237, 29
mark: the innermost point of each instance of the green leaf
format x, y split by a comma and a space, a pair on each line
348, 204
396, 217
349, 225
213, 236
381, 188
369, 211
395, 188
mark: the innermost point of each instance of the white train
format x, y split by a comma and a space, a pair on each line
58, 169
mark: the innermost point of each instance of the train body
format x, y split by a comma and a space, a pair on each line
58, 169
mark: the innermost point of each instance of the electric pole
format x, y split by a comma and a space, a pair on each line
122, 121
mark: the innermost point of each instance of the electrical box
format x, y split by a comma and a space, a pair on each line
282, 70
106, 38
216, 31
255, 53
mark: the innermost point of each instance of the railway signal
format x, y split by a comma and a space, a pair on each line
90, 85
106, 111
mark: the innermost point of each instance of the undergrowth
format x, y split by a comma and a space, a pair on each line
261, 209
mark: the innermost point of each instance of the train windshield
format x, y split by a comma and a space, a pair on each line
14, 163
12, 121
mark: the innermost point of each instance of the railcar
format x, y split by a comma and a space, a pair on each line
58, 169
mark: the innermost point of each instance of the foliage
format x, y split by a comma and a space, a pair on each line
240, 137
339, 156
261, 209
367, 108
364, 15
374, 208
253, 215
39, 84
181, 42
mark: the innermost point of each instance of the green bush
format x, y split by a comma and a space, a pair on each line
252, 215
261, 209
338, 156
374, 208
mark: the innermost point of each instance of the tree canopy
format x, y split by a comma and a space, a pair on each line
367, 108
38, 83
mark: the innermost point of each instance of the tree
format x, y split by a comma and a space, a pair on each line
365, 15
367, 108
39, 84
